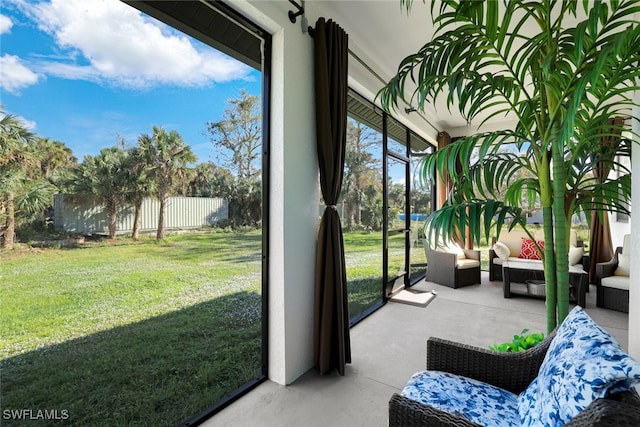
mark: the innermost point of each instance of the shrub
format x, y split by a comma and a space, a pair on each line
520, 342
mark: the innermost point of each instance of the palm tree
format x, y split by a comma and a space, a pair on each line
563, 83
16, 159
102, 178
137, 185
167, 157
57, 162
56, 159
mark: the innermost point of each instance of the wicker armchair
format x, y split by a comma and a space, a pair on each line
613, 291
510, 371
447, 269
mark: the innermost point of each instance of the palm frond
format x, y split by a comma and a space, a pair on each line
445, 223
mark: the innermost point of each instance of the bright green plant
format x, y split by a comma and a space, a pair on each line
520, 342
563, 72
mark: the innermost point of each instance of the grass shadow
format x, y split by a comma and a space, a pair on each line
157, 372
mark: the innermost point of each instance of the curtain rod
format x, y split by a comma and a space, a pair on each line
293, 17
306, 28
381, 80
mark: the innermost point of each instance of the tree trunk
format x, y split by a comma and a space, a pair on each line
135, 233
358, 208
163, 207
7, 242
560, 218
111, 213
349, 216
546, 199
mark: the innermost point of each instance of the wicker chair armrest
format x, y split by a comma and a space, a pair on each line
492, 256
606, 269
621, 410
404, 412
441, 259
510, 371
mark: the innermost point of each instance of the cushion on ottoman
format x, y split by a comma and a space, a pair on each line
476, 401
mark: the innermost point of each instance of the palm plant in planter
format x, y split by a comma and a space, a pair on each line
564, 82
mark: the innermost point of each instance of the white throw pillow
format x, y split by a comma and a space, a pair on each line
501, 250
623, 265
575, 255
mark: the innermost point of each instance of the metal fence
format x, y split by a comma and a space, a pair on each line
86, 217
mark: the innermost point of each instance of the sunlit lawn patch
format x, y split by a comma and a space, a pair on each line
147, 333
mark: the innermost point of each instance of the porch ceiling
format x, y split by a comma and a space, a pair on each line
381, 33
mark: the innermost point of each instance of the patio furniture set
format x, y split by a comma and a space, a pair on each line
515, 260
578, 376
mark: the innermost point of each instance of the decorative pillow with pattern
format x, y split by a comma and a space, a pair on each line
583, 363
529, 250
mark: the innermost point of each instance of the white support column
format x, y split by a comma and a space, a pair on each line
293, 198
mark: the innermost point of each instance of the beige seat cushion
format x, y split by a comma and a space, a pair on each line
454, 248
467, 263
624, 259
449, 247
617, 282
513, 240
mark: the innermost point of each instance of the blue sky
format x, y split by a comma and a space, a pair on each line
86, 72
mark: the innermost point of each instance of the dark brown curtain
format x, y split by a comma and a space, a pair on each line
332, 345
443, 183
600, 244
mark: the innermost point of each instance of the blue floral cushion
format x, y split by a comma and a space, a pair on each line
583, 363
476, 401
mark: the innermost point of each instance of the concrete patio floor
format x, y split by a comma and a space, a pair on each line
388, 347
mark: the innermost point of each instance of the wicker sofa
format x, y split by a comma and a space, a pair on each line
513, 241
612, 279
515, 373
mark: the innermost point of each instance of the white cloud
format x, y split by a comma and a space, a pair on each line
5, 24
29, 124
14, 75
109, 41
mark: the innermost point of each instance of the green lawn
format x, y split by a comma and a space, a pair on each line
130, 334
146, 333
363, 258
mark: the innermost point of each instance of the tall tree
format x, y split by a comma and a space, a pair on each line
167, 157
17, 158
56, 159
57, 163
238, 136
210, 180
360, 170
102, 179
563, 82
137, 185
